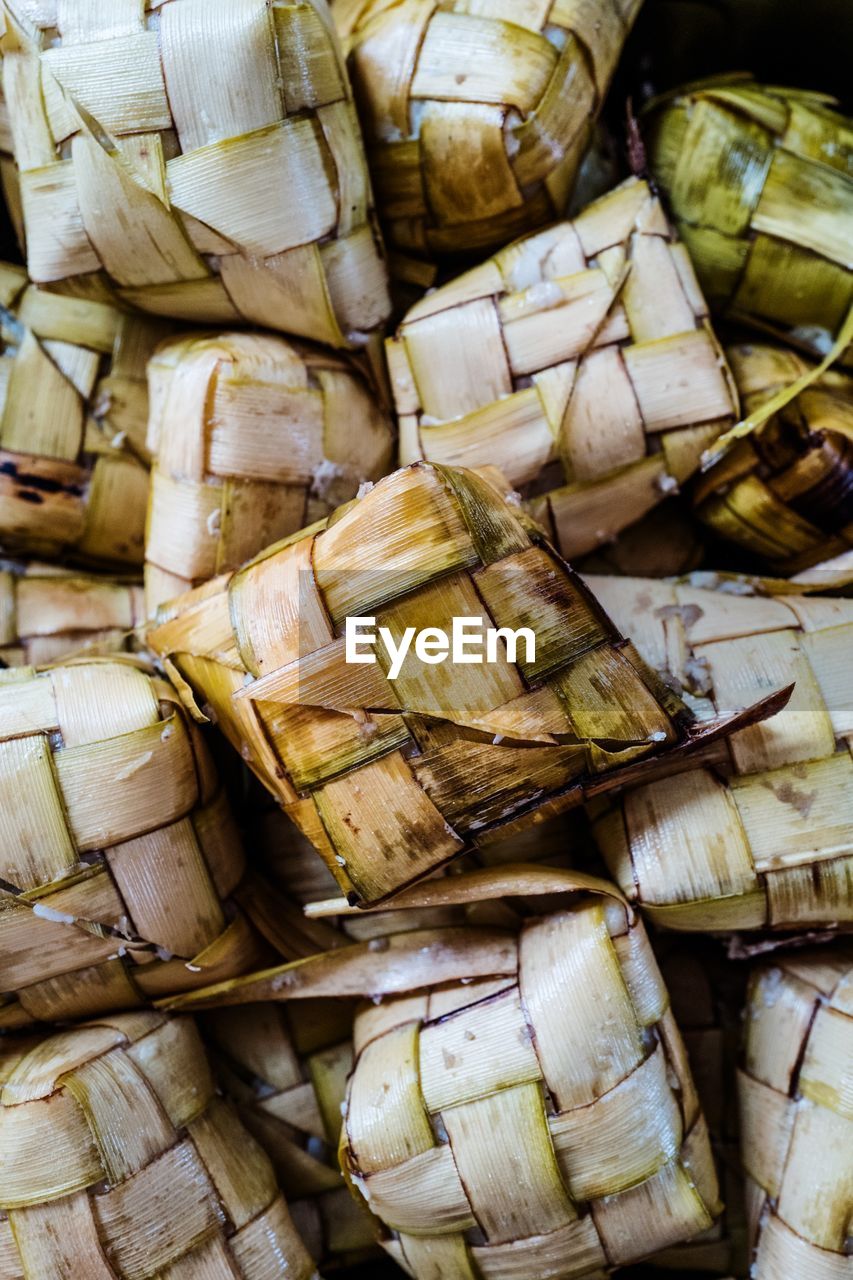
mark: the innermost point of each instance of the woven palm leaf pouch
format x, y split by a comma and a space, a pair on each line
47, 613
521, 1103
758, 180
203, 154
477, 116
391, 777
120, 862
73, 409
796, 1115
121, 1162
761, 837
254, 437
785, 493
579, 360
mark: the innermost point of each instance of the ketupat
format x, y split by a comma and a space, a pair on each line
254, 438
119, 1161
797, 1117
285, 1069
763, 836
447, 1135
48, 613
758, 180
73, 408
477, 116
390, 779
785, 493
204, 153
583, 353
121, 874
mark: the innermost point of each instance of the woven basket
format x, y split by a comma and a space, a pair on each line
73, 407
796, 1116
205, 154
120, 1162
391, 779
285, 1067
707, 995
582, 353
759, 183
477, 116
47, 613
254, 438
125, 856
786, 493
526, 1108
763, 839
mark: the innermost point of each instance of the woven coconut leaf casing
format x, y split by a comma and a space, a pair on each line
583, 353
392, 778
73, 408
48, 613
524, 1106
477, 116
786, 492
120, 1162
118, 872
254, 438
797, 1117
760, 185
764, 838
707, 995
205, 154
285, 1068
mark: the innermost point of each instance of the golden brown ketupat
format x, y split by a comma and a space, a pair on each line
580, 360
785, 493
391, 776
119, 1161
759, 182
762, 836
796, 1115
204, 154
477, 115
254, 437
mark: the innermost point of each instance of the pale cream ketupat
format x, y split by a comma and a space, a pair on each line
580, 361
762, 837
73, 408
254, 437
120, 1162
797, 1115
47, 613
521, 1103
120, 862
204, 154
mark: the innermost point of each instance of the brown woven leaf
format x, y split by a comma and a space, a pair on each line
785, 493
477, 116
392, 778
